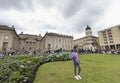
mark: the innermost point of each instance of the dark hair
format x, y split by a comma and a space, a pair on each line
74, 47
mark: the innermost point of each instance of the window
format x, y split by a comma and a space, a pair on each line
110, 38
33, 43
104, 33
111, 42
59, 40
23, 48
106, 43
105, 39
110, 35
108, 30
27, 42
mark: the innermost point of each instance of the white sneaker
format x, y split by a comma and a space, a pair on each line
77, 77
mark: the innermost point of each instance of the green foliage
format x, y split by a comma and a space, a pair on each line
15, 76
19, 69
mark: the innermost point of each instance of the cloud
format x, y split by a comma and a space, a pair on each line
15, 4
60, 16
72, 7
88, 14
111, 17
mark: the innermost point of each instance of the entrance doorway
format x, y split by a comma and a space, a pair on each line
49, 46
5, 46
107, 48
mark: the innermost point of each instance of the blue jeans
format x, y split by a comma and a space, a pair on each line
76, 64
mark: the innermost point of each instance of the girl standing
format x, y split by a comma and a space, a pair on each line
76, 62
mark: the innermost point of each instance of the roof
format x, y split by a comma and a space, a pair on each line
85, 37
30, 35
4, 27
88, 28
117, 26
27, 36
59, 35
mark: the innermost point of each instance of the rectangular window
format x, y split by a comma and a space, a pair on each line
105, 39
110, 38
106, 43
27, 42
33, 43
111, 42
110, 35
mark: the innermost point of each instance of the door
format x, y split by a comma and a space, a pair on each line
5, 46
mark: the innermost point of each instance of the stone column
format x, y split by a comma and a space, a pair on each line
1, 42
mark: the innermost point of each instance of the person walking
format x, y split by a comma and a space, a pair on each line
76, 62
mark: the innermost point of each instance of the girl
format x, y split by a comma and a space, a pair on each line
76, 62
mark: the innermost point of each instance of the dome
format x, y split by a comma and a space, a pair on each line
88, 28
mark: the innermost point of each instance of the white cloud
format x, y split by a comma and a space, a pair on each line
111, 17
63, 16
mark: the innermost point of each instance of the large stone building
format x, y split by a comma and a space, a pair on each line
54, 41
110, 38
29, 42
88, 42
9, 39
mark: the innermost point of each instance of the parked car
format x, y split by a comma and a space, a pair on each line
1, 56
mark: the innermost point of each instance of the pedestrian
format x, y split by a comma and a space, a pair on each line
76, 62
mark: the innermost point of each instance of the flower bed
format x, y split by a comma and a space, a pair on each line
22, 69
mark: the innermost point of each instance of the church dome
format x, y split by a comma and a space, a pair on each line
88, 28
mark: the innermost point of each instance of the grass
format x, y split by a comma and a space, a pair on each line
96, 68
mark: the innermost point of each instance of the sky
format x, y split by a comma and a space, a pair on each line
68, 17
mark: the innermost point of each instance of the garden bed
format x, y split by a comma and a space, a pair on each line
23, 68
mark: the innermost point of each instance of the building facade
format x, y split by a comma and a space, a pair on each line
54, 41
9, 39
29, 42
88, 42
110, 38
